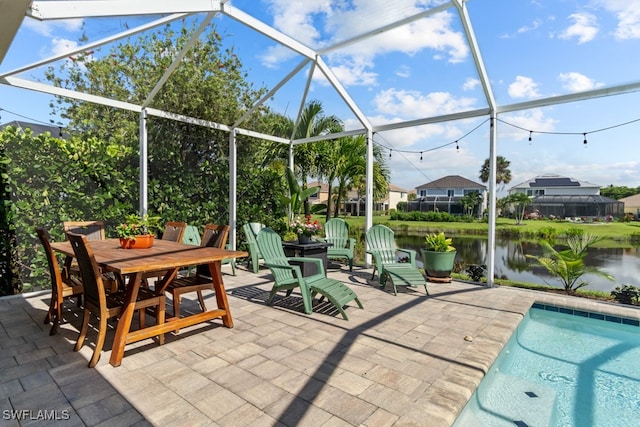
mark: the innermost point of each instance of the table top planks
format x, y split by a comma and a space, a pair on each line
163, 255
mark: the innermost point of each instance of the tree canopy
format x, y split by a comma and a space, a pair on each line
503, 173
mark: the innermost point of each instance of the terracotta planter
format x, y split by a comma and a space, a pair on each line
140, 242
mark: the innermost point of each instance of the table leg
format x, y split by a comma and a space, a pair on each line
124, 323
215, 269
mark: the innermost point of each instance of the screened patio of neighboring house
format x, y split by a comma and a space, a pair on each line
576, 206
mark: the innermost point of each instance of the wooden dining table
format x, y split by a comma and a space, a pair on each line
129, 265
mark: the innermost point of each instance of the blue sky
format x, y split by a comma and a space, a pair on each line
531, 50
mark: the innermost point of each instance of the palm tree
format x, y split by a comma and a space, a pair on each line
520, 200
503, 174
568, 265
309, 158
470, 201
353, 174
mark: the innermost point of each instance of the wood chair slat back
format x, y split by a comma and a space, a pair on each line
94, 292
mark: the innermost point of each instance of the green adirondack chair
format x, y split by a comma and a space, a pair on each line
251, 230
288, 277
382, 245
336, 231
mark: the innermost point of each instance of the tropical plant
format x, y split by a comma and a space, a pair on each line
137, 225
438, 242
627, 294
503, 173
470, 201
568, 264
297, 195
520, 202
476, 271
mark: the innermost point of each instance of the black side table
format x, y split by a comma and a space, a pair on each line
308, 250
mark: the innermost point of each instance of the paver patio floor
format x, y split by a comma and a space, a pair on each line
403, 360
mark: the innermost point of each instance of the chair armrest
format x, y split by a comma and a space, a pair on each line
317, 261
351, 243
320, 239
411, 253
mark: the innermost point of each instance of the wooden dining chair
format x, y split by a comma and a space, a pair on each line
214, 236
173, 232
106, 305
93, 230
62, 285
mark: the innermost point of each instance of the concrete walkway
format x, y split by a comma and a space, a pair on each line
401, 361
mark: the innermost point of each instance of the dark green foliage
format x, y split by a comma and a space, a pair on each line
548, 233
476, 272
574, 232
627, 294
429, 216
618, 192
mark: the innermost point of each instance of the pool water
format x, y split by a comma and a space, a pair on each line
562, 370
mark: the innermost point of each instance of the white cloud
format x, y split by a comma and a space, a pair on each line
403, 71
48, 28
511, 126
274, 55
584, 28
60, 46
413, 104
628, 15
523, 87
322, 23
576, 82
470, 84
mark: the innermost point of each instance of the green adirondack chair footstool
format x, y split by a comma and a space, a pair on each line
288, 277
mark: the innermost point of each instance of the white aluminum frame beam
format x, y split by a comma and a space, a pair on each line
384, 29
46, 10
96, 44
493, 136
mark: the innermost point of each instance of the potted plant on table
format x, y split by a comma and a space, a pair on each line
138, 232
439, 256
305, 229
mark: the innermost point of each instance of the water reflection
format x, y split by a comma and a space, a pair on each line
512, 263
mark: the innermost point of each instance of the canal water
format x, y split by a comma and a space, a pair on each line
512, 263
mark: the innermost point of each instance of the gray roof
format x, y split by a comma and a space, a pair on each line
549, 181
453, 181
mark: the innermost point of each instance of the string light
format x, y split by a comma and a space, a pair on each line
456, 142
584, 134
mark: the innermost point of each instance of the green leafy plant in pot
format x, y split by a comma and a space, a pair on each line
438, 256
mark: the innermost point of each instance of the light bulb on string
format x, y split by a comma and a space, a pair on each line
530, 134
421, 156
585, 140
390, 150
457, 146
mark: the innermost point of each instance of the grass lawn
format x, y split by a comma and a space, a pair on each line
529, 228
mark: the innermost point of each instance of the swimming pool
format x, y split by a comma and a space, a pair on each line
562, 367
